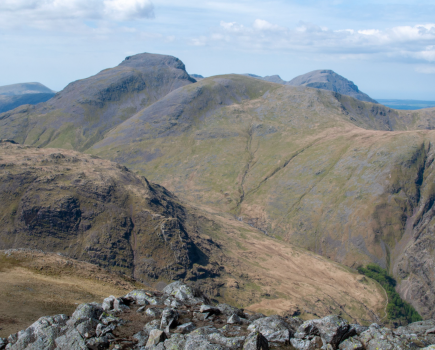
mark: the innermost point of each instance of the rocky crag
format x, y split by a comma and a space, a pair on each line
181, 318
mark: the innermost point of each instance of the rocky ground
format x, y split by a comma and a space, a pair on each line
180, 317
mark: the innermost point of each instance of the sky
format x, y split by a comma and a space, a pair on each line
386, 47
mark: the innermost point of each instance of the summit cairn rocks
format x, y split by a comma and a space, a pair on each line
181, 318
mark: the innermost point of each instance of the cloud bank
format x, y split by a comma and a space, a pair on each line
48, 13
409, 43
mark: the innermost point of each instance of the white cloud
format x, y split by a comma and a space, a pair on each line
414, 43
49, 14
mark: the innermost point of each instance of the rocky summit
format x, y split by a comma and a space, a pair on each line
181, 318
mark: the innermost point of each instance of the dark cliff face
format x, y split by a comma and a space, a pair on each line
95, 211
81, 114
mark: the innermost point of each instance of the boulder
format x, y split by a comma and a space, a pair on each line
351, 344
156, 336
200, 342
185, 328
312, 343
148, 327
153, 312
99, 343
3, 343
108, 303
234, 319
180, 291
141, 338
71, 340
169, 319
256, 341
230, 343
229, 310
143, 297
274, 328
376, 338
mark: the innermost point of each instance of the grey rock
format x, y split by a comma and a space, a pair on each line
143, 297
108, 303
182, 292
351, 344
104, 329
230, 343
358, 328
156, 336
307, 344
87, 328
203, 331
376, 338
3, 343
229, 310
141, 309
234, 319
274, 328
85, 312
109, 319
98, 343
256, 341
169, 318
332, 329
153, 312
148, 327
185, 328
72, 340
176, 342
141, 338
119, 305
200, 342
430, 347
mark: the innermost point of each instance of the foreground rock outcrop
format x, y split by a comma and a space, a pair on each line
181, 317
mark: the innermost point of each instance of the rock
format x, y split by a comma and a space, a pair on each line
119, 305
87, 328
169, 319
141, 337
430, 347
230, 343
185, 328
156, 336
106, 320
209, 309
176, 342
383, 338
108, 303
274, 328
100, 343
351, 344
234, 319
256, 341
332, 329
3, 343
180, 291
172, 302
229, 310
142, 297
307, 344
40, 335
294, 322
103, 329
141, 309
72, 340
148, 327
153, 312
85, 312
200, 342
358, 328
203, 331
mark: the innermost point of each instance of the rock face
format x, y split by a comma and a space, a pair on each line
93, 326
98, 103
329, 80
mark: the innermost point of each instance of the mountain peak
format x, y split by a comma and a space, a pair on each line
327, 79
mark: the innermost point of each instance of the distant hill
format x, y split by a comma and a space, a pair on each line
10, 102
15, 95
407, 104
197, 77
24, 88
324, 79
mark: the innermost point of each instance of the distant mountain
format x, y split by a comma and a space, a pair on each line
9, 102
15, 95
24, 88
321, 79
197, 77
81, 114
329, 80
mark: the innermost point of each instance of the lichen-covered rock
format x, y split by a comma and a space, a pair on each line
85, 312
332, 330
376, 338
169, 318
256, 341
141, 338
430, 347
179, 291
274, 328
71, 340
153, 312
40, 335
230, 310
185, 328
148, 327
108, 303
156, 336
99, 343
351, 344
230, 343
234, 319
143, 297
200, 342
176, 342
313, 343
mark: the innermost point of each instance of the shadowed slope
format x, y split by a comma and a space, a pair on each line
81, 114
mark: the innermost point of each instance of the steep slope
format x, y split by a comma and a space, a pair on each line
24, 89
97, 211
321, 170
81, 114
329, 80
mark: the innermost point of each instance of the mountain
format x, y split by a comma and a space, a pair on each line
97, 211
324, 171
24, 89
86, 109
15, 95
329, 80
321, 79
347, 179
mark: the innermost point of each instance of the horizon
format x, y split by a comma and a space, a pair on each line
385, 48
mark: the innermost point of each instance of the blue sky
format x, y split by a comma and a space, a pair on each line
385, 47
